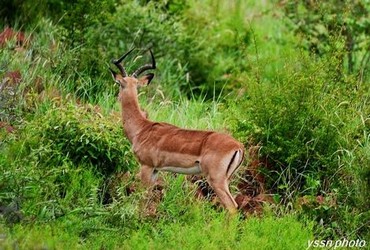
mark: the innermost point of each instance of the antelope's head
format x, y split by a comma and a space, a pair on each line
133, 81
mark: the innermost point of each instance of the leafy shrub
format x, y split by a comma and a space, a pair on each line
58, 161
78, 134
323, 26
290, 119
307, 121
216, 54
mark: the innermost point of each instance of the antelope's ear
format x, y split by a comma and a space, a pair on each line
145, 80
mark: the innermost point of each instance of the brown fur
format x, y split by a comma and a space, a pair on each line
162, 146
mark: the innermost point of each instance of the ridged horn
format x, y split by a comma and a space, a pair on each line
146, 66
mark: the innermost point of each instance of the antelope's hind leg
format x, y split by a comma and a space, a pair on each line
221, 188
218, 177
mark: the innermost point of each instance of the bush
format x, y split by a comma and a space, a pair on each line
307, 121
81, 135
345, 21
215, 55
73, 135
59, 160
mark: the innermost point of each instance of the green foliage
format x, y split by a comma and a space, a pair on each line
325, 26
78, 134
8, 103
9, 88
97, 31
214, 233
305, 121
23, 11
296, 115
54, 165
212, 65
221, 232
65, 202
80, 19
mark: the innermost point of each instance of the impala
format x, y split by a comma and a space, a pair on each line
160, 146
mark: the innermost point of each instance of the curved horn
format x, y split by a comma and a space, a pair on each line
119, 65
146, 66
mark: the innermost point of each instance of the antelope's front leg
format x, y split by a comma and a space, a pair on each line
148, 175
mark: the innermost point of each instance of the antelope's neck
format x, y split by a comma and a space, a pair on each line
132, 118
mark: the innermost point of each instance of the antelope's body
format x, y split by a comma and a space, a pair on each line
161, 146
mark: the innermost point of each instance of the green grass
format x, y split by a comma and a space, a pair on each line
202, 229
191, 114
